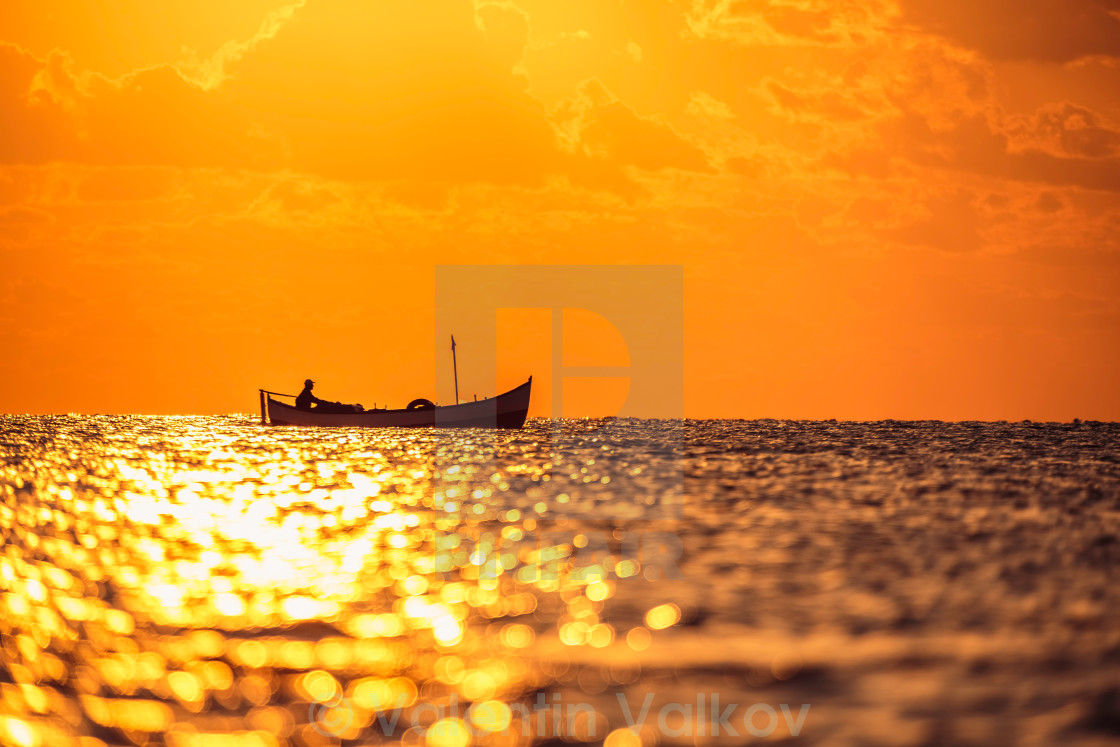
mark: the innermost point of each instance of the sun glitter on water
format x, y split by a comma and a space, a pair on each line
187, 578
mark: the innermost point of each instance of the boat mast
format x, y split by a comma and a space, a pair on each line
455, 368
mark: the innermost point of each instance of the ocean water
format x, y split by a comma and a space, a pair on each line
209, 581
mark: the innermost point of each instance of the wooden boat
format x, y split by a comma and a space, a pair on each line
507, 410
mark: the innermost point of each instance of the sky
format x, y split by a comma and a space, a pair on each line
899, 209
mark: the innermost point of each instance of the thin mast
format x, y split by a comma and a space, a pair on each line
455, 368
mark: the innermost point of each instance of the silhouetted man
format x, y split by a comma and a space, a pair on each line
308, 401
306, 398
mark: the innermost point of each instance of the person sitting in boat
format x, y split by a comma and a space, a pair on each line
308, 401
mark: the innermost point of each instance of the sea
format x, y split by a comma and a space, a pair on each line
212, 581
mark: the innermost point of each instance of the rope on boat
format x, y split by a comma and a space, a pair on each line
278, 394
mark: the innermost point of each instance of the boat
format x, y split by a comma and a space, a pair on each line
507, 410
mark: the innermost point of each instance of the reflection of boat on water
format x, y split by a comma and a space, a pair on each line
507, 410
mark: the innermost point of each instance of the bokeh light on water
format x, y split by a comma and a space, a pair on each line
175, 579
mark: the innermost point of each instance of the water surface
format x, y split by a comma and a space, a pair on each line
191, 580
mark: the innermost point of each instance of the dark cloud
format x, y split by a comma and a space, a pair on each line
974, 146
1065, 129
829, 105
828, 23
971, 145
813, 24
1047, 30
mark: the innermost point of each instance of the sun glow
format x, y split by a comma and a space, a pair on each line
892, 209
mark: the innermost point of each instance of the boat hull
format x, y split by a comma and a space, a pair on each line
507, 410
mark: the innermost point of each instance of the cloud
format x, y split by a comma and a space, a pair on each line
21, 215
374, 92
151, 117
210, 73
400, 91
916, 105
1056, 227
126, 184
506, 27
828, 104
19, 223
975, 146
702, 104
597, 125
1065, 130
807, 23
1046, 30
34, 127
295, 200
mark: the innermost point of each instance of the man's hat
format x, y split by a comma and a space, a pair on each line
309, 382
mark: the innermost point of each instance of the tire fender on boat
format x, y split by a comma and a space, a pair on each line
420, 404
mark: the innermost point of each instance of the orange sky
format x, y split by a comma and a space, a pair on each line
883, 209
